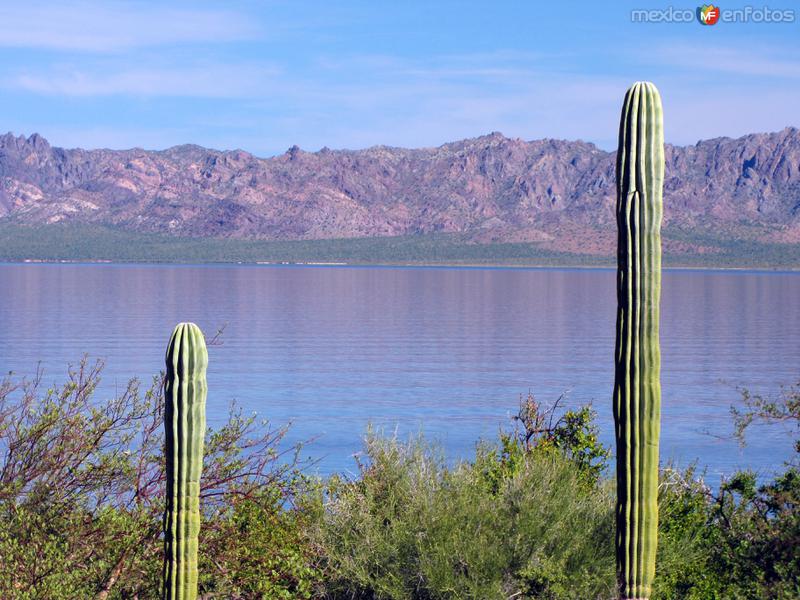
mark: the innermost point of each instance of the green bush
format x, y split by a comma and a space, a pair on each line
260, 551
530, 516
512, 523
82, 494
744, 541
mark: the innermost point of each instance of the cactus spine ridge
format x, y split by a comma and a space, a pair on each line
637, 388
184, 426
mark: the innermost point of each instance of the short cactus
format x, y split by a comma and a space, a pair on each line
637, 387
184, 425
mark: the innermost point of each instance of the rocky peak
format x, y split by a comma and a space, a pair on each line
520, 190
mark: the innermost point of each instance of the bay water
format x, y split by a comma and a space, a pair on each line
442, 351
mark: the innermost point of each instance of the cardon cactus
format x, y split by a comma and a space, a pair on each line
637, 387
185, 426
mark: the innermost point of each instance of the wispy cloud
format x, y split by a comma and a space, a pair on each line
196, 80
740, 60
114, 26
367, 99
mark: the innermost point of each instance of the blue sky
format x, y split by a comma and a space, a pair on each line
265, 75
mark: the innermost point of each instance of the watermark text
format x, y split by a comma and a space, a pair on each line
710, 14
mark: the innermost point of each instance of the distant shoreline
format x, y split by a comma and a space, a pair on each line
399, 265
95, 244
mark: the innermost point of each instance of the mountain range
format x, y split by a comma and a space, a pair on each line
558, 194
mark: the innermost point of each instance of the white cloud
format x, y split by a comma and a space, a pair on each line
208, 81
369, 100
746, 61
115, 26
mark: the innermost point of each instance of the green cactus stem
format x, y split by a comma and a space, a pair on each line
184, 425
637, 387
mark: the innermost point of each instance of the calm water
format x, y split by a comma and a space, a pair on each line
445, 351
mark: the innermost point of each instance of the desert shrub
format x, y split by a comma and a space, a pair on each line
81, 497
744, 540
260, 550
530, 516
683, 537
521, 520
542, 430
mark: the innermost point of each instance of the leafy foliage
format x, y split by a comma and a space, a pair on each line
743, 542
573, 433
754, 407
259, 549
82, 495
528, 518
531, 516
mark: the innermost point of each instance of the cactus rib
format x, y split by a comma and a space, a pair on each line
637, 388
184, 424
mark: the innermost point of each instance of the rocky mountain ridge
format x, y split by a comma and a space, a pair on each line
490, 188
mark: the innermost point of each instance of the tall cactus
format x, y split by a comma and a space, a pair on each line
637, 387
185, 426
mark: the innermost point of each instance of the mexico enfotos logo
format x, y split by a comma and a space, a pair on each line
711, 14
708, 14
